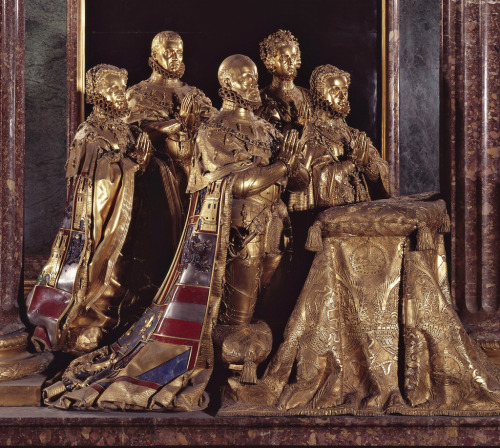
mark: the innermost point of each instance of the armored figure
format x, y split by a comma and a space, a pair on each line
284, 104
237, 142
85, 290
344, 165
169, 110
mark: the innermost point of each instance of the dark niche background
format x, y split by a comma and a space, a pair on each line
46, 76
342, 33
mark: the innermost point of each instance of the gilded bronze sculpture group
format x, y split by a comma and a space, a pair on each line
153, 321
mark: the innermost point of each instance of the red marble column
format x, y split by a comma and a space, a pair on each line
12, 161
470, 155
15, 361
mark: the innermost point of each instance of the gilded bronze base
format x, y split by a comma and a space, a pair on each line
22, 392
16, 362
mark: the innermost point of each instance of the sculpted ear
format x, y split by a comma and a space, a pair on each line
226, 82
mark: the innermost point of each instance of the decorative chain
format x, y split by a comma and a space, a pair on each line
241, 136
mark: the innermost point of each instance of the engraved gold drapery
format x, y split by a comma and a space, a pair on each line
374, 331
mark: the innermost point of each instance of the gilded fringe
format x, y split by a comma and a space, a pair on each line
446, 224
424, 237
314, 241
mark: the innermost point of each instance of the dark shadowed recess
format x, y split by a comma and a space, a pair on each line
345, 33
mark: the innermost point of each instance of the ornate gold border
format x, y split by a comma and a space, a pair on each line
75, 66
80, 67
383, 93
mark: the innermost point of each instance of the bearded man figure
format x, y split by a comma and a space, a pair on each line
237, 144
84, 290
170, 111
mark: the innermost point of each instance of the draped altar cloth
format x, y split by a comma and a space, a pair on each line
374, 330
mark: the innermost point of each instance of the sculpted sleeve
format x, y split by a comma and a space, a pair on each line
331, 181
254, 180
377, 171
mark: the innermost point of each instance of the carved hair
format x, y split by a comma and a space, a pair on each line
161, 39
95, 77
226, 68
270, 45
320, 75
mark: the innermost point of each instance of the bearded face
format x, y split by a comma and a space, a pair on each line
244, 81
335, 93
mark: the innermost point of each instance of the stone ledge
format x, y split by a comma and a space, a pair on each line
52, 427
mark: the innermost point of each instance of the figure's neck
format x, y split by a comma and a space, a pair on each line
282, 83
102, 113
163, 77
159, 79
232, 101
99, 113
333, 120
237, 109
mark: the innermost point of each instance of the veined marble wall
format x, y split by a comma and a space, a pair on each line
46, 110
419, 95
45, 193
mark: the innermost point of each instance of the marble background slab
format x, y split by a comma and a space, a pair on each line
419, 95
45, 194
